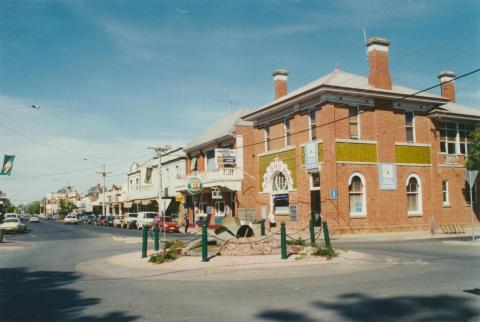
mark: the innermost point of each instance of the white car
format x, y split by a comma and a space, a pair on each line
71, 219
34, 219
13, 225
145, 217
130, 220
118, 221
11, 215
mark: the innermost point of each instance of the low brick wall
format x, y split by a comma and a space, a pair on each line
260, 245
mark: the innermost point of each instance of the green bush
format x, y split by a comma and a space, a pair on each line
329, 253
298, 242
169, 252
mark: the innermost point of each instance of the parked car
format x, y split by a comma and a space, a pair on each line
84, 219
71, 219
168, 224
130, 220
108, 221
119, 221
13, 225
92, 219
35, 219
145, 217
11, 215
100, 221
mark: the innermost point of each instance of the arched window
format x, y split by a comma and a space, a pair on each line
279, 182
414, 195
356, 190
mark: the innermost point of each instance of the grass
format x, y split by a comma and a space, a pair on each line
169, 253
328, 253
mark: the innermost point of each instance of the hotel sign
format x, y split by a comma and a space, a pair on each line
226, 158
311, 156
387, 175
194, 185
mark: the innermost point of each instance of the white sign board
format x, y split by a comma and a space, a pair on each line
225, 158
387, 174
470, 176
311, 156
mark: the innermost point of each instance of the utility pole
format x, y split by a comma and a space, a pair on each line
159, 150
104, 174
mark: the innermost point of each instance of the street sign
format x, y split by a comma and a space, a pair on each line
470, 176
194, 185
293, 212
179, 198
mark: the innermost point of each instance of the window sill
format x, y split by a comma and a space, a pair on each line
356, 215
446, 205
415, 214
282, 213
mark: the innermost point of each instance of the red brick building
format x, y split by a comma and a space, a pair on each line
366, 154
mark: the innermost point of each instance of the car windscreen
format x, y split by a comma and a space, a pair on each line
150, 215
11, 220
133, 215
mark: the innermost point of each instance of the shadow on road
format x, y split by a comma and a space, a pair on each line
45, 296
361, 307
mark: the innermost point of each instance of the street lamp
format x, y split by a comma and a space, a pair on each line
161, 210
33, 106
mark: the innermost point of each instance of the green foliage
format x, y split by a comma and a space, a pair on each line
34, 207
65, 207
329, 253
7, 206
297, 242
169, 252
473, 161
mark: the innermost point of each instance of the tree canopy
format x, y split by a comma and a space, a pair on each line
473, 161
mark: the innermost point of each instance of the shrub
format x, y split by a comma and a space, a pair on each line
329, 253
298, 242
174, 244
169, 252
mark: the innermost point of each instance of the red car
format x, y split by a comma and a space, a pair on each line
100, 221
168, 224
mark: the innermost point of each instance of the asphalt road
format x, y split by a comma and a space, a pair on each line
430, 281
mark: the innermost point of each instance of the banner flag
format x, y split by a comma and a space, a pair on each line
7, 165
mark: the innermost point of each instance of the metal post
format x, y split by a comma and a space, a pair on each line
326, 235
471, 203
312, 232
103, 203
157, 243
144, 241
283, 240
262, 227
204, 242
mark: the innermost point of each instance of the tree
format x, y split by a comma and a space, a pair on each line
65, 207
473, 161
7, 206
34, 207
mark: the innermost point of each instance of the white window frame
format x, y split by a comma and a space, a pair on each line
312, 188
217, 207
266, 134
287, 129
357, 122
412, 126
419, 196
363, 213
445, 193
312, 126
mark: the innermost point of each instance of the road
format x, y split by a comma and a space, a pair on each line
430, 280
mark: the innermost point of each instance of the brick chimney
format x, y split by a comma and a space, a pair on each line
378, 59
447, 87
280, 77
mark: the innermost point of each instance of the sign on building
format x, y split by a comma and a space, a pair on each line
311, 156
293, 212
387, 175
470, 176
194, 185
226, 158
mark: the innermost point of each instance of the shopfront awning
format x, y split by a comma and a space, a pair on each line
128, 204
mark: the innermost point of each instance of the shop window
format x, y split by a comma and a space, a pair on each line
414, 195
281, 204
410, 126
312, 119
203, 208
446, 199
220, 207
357, 196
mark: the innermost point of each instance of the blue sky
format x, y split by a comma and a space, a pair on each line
113, 77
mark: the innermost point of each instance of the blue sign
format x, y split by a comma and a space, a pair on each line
311, 156
387, 175
333, 194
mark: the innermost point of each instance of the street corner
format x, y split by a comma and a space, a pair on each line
230, 268
13, 245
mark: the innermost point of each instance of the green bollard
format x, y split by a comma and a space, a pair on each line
262, 228
144, 241
204, 242
312, 233
157, 243
283, 239
326, 235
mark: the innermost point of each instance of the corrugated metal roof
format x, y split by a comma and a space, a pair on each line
457, 109
221, 128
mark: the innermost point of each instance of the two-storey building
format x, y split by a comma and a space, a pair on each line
366, 154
